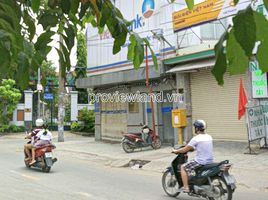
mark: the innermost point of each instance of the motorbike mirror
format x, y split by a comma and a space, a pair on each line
141, 124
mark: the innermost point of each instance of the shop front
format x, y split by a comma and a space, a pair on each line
205, 99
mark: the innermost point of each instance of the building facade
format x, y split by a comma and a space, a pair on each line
185, 59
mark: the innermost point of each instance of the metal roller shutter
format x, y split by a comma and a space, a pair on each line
218, 105
113, 120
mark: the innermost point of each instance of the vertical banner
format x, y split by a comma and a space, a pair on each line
259, 81
264, 104
256, 124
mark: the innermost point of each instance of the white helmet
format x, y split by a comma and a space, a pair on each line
39, 122
145, 129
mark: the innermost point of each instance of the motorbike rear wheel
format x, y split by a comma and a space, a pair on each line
156, 144
127, 148
170, 184
221, 186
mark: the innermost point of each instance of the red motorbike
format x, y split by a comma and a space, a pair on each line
147, 137
43, 157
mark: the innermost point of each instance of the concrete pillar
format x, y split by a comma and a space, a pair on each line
97, 121
28, 109
74, 105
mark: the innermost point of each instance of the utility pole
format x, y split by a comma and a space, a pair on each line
61, 101
150, 91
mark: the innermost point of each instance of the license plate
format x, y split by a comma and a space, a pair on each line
48, 155
229, 179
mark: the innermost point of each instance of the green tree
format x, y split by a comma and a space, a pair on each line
50, 79
21, 53
81, 55
88, 118
81, 66
9, 98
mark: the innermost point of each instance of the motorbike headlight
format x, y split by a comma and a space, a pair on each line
225, 167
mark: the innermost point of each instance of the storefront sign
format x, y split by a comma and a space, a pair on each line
259, 81
264, 103
28, 110
256, 126
206, 11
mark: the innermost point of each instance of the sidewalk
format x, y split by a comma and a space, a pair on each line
250, 171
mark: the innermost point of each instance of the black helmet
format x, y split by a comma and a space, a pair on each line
200, 124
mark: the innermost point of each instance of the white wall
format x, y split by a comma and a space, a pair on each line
28, 101
75, 107
100, 47
88, 106
20, 106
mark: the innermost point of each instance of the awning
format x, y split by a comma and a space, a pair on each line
189, 67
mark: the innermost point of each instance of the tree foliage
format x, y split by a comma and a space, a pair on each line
81, 66
22, 50
81, 55
235, 50
10, 97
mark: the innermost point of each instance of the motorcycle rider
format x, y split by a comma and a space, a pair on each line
202, 143
43, 137
28, 147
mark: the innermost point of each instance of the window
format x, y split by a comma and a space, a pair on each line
133, 107
20, 115
213, 30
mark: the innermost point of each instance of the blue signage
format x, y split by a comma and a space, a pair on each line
136, 23
48, 96
166, 109
148, 7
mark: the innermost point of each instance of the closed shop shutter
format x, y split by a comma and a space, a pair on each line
218, 105
113, 119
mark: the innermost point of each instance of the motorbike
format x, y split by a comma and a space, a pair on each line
43, 156
211, 181
147, 137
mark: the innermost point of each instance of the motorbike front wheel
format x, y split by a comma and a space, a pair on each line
46, 169
170, 184
156, 144
222, 190
127, 148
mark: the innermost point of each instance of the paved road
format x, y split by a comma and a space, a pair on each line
75, 177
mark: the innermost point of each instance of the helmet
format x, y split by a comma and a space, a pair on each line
145, 129
39, 122
200, 124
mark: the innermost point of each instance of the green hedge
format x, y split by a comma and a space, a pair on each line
11, 129
87, 117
